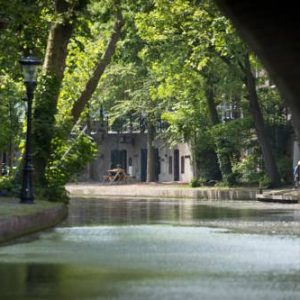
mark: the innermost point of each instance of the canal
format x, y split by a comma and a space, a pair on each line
159, 249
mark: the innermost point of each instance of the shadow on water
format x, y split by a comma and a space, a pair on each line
65, 281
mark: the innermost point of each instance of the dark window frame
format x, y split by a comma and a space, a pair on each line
182, 165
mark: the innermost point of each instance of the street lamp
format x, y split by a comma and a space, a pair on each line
29, 67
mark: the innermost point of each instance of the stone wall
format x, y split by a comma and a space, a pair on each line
18, 226
160, 192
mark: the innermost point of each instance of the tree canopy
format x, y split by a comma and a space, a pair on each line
179, 62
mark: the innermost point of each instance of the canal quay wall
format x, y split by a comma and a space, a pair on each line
157, 191
18, 220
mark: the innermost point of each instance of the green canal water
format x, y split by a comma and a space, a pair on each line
109, 249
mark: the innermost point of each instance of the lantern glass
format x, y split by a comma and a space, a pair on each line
29, 73
29, 67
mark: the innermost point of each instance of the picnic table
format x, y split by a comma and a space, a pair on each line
115, 175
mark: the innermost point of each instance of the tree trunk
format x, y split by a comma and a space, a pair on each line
210, 101
58, 40
93, 81
49, 87
150, 154
223, 157
269, 161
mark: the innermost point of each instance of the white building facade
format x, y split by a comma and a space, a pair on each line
129, 150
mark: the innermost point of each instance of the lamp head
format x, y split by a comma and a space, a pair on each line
29, 66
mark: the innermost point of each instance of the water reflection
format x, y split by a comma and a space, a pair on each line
152, 256
188, 212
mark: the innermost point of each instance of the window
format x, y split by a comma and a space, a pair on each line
182, 164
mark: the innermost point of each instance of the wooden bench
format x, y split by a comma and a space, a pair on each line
115, 176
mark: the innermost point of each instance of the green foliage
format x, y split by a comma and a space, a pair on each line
125, 90
233, 135
265, 182
284, 164
171, 54
27, 29
44, 114
195, 182
248, 170
230, 179
11, 112
6, 184
67, 162
201, 181
204, 155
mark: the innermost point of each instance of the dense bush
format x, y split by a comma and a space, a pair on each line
195, 182
248, 170
67, 162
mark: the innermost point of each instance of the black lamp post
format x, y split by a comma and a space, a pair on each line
29, 67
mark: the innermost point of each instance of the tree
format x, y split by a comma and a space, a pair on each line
178, 60
103, 62
201, 43
259, 124
55, 111
66, 14
51, 86
16, 38
169, 53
